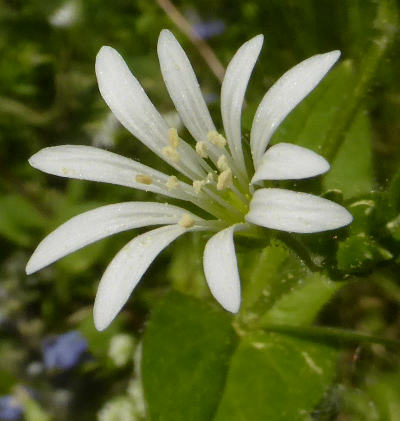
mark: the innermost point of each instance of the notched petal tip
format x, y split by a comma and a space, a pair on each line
290, 211
39, 159
334, 55
256, 41
289, 90
126, 269
33, 160
100, 319
36, 262
347, 217
166, 33
232, 307
106, 53
286, 161
30, 268
165, 38
221, 270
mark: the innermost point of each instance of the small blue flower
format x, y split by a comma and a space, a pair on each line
209, 29
10, 408
64, 351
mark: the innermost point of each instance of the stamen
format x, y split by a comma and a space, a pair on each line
216, 139
197, 185
210, 177
186, 221
173, 138
144, 179
222, 163
170, 153
201, 149
172, 182
224, 179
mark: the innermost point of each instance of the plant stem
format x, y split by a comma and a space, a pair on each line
300, 249
332, 334
205, 50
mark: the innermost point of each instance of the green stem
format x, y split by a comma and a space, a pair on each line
332, 334
300, 249
386, 24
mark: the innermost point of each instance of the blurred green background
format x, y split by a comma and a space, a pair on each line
53, 364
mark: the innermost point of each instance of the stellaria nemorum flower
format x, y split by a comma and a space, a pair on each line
213, 174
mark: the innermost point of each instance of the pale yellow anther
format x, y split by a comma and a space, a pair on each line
172, 182
216, 139
224, 179
197, 185
173, 138
222, 163
186, 221
144, 179
170, 153
201, 149
210, 177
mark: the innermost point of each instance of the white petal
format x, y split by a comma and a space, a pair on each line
283, 96
126, 269
89, 163
234, 86
99, 223
183, 86
221, 271
285, 161
130, 104
291, 211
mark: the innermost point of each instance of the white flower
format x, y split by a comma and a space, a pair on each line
121, 349
211, 175
66, 15
121, 408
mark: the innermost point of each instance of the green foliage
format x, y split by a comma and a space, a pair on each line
354, 177
191, 369
276, 377
186, 352
377, 400
270, 274
302, 304
18, 219
360, 252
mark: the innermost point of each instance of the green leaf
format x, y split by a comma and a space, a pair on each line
17, 218
351, 171
268, 274
301, 306
362, 212
186, 349
276, 377
360, 252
